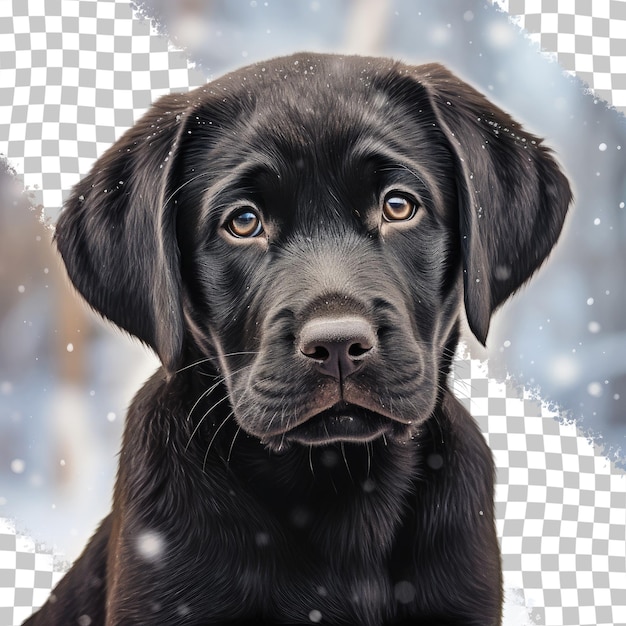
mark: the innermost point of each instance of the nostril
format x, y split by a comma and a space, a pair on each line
357, 350
338, 345
318, 353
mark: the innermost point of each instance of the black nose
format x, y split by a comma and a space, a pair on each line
339, 346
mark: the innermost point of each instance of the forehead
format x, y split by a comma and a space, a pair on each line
304, 101
310, 123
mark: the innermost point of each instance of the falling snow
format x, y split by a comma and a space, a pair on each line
404, 592
18, 466
150, 545
594, 389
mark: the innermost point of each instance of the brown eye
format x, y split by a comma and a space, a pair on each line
245, 224
397, 208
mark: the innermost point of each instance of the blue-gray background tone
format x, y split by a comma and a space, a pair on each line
564, 335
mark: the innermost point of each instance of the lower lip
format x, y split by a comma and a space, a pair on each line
335, 426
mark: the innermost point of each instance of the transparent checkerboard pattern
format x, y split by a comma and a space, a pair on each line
560, 505
74, 75
587, 38
560, 510
28, 571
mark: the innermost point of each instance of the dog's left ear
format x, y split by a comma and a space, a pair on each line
117, 232
513, 196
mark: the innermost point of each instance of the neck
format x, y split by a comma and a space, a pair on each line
320, 493
317, 494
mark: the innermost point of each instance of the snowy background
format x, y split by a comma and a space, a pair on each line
75, 73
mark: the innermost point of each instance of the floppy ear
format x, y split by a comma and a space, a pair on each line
512, 195
117, 232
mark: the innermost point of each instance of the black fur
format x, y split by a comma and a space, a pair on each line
260, 479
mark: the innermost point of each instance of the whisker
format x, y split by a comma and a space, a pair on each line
311, 460
206, 392
200, 175
345, 461
201, 420
195, 364
217, 430
232, 443
211, 358
203, 395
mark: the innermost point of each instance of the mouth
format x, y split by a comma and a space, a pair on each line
342, 422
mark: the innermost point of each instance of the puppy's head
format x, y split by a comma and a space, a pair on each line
315, 224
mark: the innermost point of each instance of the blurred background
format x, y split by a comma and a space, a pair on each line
66, 378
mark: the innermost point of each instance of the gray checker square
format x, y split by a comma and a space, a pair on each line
575, 32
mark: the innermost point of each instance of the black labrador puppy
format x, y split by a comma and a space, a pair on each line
296, 242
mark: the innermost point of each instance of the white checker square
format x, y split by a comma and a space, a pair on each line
88, 59
533, 7
534, 426
8, 560
550, 23
88, 25
21, 24
512, 545
7, 594
39, 599
123, 28
533, 527
599, 563
514, 407
479, 406
516, 510
53, 197
601, 46
21, 95
517, 442
20, 613
566, 43
617, 581
24, 578
50, 164
618, 65
602, 8
584, 63
105, 117
140, 44
54, 24
71, 41
123, 100
23, 58
583, 24
53, 94
105, 10
105, 43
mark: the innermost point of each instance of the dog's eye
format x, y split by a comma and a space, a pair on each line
245, 224
398, 208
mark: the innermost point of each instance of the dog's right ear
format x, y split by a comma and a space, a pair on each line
513, 195
117, 232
